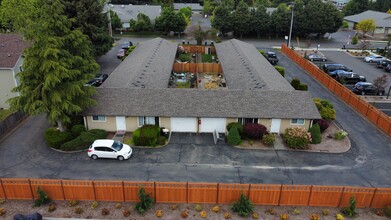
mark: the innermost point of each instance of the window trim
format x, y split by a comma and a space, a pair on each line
297, 121
157, 120
104, 120
243, 121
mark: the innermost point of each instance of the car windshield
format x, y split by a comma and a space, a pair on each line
117, 145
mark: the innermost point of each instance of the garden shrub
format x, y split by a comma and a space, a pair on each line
323, 124
42, 198
184, 57
237, 125
254, 131
315, 134
244, 207
262, 52
303, 87
327, 104
233, 137
328, 113
56, 138
295, 83
281, 70
339, 135
85, 139
268, 139
351, 210
77, 129
296, 138
136, 137
145, 203
149, 135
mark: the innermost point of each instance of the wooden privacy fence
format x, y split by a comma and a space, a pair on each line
199, 49
197, 67
377, 117
183, 192
11, 122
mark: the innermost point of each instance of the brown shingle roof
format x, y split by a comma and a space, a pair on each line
11, 48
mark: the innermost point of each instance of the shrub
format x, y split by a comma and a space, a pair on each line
136, 137
325, 212
296, 138
354, 40
303, 87
237, 125
126, 213
184, 57
281, 70
315, 134
203, 214
118, 205
254, 131
262, 52
296, 212
85, 139
198, 208
271, 211
314, 217
79, 210
2, 201
284, 216
52, 207
255, 215
243, 206
227, 215
351, 210
268, 139
327, 113
339, 135
94, 204
42, 198
77, 129
159, 213
327, 104
387, 211
149, 135
105, 211
56, 138
174, 207
339, 217
184, 214
323, 124
233, 137
161, 140
145, 203
216, 208
73, 203
295, 83
2, 211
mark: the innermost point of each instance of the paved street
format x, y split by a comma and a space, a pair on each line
25, 154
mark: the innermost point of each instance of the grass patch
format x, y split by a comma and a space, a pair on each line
4, 113
185, 57
183, 84
207, 58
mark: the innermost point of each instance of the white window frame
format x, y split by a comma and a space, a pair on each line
101, 118
243, 120
298, 121
141, 120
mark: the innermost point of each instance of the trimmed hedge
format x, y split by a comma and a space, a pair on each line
297, 138
281, 70
325, 108
233, 137
56, 138
77, 130
237, 125
315, 134
303, 87
149, 135
85, 139
136, 137
254, 131
295, 83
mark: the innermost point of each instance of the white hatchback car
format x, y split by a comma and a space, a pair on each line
106, 148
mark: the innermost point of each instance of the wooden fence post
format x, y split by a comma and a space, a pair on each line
31, 189
154, 189
93, 189
279, 198
340, 200
123, 190
309, 198
187, 192
217, 193
373, 197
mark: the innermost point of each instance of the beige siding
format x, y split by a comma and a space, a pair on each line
165, 122
230, 120
286, 123
266, 122
131, 123
108, 125
7, 83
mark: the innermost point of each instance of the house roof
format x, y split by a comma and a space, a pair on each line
127, 12
11, 48
204, 103
381, 19
246, 68
193, 6
148, 66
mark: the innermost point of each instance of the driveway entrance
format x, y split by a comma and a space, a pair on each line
192, 138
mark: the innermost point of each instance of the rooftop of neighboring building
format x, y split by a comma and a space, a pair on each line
11, 48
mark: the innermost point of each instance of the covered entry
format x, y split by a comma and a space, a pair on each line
183, 124
209, 125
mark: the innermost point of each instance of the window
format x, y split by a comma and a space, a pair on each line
148, 121
100, 118
297, 121
244, 121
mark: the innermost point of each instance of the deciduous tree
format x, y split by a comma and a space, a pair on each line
241, 19
365, 26
115, 20
222, 18
355, 7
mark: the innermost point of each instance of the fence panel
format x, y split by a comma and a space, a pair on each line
2, 194
354, 101
325, 196
18, 188
346, 94
295, 195
362, 107
78, 190
265, 194
52, 188
202, 192
373, 114
384, 122
109, 191
362, 195
171, 192
382, 198
229, 193
131, 190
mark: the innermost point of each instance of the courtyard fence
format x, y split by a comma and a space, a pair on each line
11, 122
377, 117
187, 192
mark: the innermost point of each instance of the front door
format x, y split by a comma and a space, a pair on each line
275, 127
121, 124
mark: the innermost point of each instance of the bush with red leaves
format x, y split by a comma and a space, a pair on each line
254, 131
323, 124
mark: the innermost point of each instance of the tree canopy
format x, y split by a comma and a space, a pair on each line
143, 23
115, 20
57, 65
366, 25
355, 7
169, 21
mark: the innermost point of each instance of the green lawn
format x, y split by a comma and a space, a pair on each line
4, 114
207, 58
183, 85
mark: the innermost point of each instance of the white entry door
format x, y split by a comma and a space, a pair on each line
275, 127
209, 125
183, 124
120, 122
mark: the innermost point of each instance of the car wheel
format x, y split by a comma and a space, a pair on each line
324, 60
121, 158
380, 93
362, 93
371, 61
94, 157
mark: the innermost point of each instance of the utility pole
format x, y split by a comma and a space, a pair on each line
292, 4
109, 18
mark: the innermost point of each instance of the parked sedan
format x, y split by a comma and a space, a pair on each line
106, 148
373, 58
101, 77
121, 53
316, 57
347, 77
364, 88
383, 63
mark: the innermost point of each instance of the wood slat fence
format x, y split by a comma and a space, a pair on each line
377, 117
184, 192
197, 67
11, 122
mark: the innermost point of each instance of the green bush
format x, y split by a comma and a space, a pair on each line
268, 139
145, 203
161, 140
281, 70
328, 113
303, 87
295, 83
327, 104
339, 135
355, 40
351, 210
244, 207
149, 135
77, 129
84, 140
136, 137
233, 137
316, 134
237, 125
262, 52
296, 138
185, 57
56, 138
42, 198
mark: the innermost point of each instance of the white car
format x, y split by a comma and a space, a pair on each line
373, 58
106, 148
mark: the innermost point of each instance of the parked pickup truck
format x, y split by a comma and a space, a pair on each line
271, 57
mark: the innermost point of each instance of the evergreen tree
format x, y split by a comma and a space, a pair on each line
56, 66
260, 20
355, 7
115, 20
241, 19
281, 18
222, 18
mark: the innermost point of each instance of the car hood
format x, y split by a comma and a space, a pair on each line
125, 149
